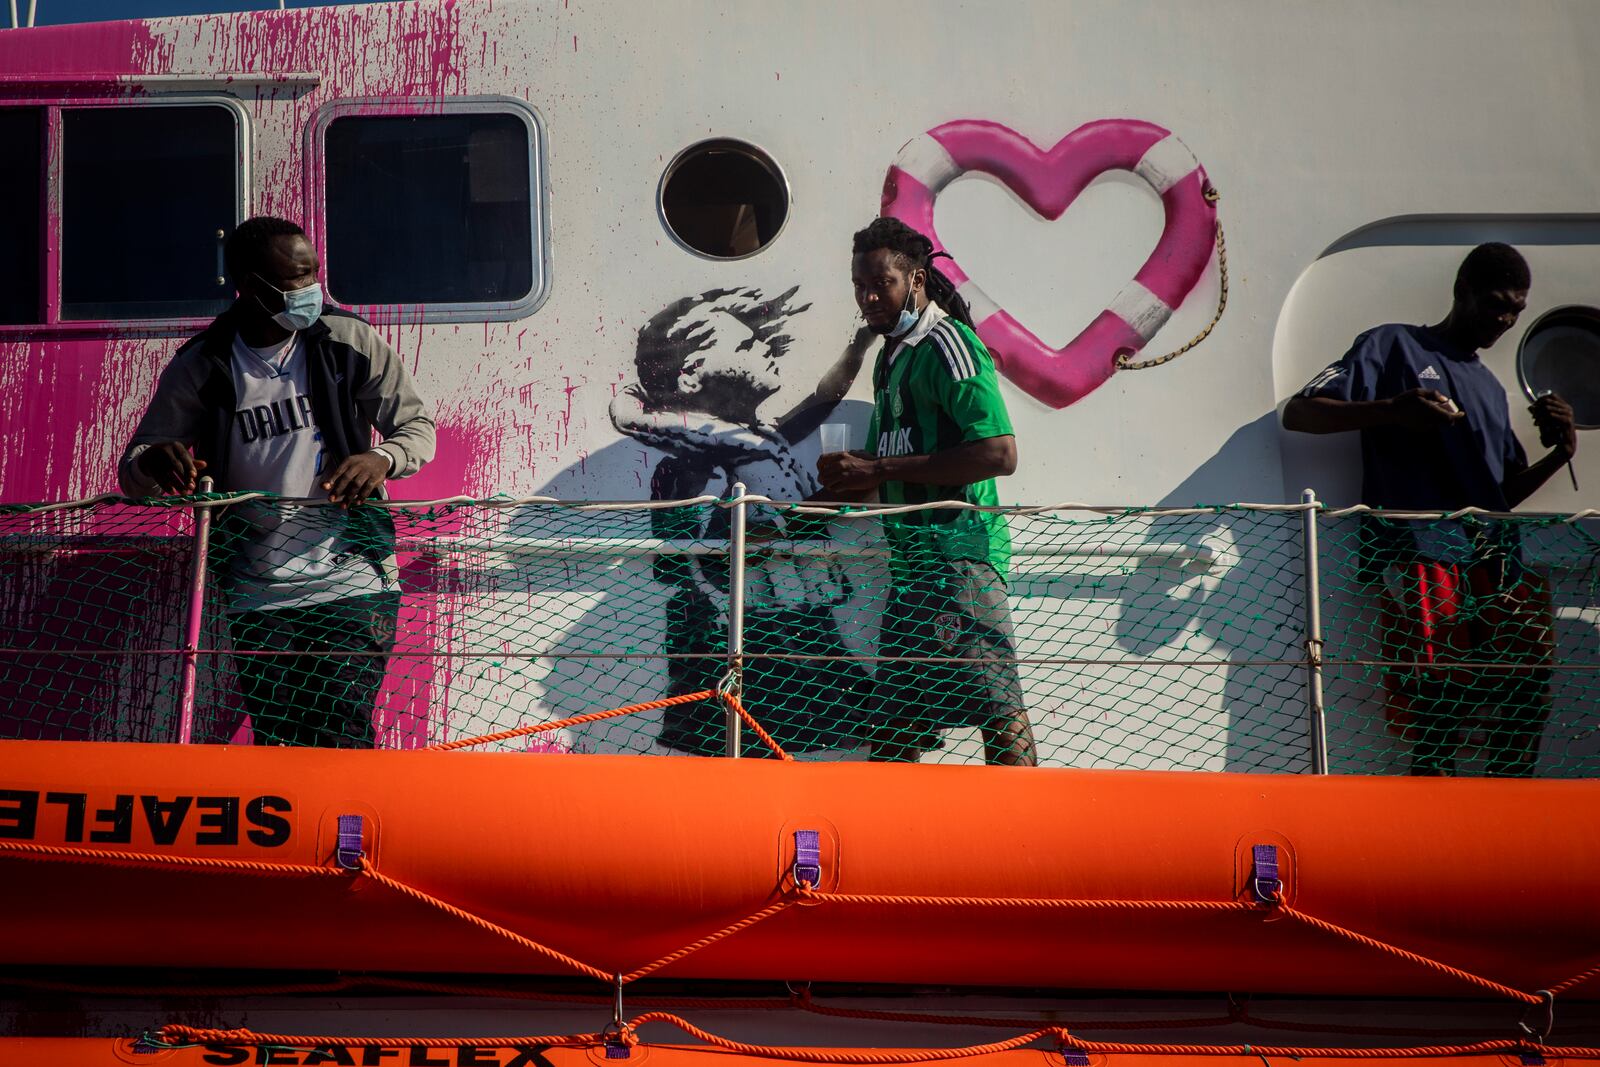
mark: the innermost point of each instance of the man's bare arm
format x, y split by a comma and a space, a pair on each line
1520, 485
1417, 409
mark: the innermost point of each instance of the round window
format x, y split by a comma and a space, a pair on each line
724, 199
1560, 354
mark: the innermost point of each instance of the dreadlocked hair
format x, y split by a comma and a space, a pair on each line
246, 247
913, 251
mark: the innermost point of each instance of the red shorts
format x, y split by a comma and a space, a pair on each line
1449, 632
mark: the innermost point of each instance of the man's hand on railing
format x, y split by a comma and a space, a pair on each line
173, 468
358, 478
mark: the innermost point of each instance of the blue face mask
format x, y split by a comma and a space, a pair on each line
301, 307
908, 315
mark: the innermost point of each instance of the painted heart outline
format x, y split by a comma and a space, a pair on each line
1048, 182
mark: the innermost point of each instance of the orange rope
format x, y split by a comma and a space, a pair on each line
1296, 1052
64, 853
561, 957
1190, 905
479, 921
1395, 950
576, 720
796, 1002
1061, 1035
750, 721
1561, 987
178, 1034
814, 1055
1024, 902
115, 857
706, 1003
352, 982
733, 928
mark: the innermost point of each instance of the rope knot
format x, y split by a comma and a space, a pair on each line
1071, 1053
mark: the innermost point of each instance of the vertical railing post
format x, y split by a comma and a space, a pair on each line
194, 619
734, 682
1317, 723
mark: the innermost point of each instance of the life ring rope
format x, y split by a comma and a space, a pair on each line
1125, 360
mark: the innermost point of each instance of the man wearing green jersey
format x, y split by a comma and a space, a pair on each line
939, 432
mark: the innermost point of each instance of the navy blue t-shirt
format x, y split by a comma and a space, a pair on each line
1460, 465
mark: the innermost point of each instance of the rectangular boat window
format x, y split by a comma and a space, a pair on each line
148, 196
21, 236
430, 209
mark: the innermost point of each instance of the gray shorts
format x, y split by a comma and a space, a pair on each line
957, 610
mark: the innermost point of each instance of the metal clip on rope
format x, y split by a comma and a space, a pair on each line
1540, 1019
614, 1035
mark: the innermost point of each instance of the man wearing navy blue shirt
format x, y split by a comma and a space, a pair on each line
1436, 436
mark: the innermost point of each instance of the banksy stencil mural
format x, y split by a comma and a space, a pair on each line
706, 367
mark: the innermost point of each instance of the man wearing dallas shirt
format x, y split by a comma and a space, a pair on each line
282, 394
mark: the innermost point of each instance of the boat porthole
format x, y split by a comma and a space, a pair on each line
723, 199
1560, 354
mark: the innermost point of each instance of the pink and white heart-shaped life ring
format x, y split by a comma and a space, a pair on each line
1048, 182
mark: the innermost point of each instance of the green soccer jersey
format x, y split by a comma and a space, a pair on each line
933, 390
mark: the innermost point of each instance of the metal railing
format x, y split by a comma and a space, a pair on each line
1145, 637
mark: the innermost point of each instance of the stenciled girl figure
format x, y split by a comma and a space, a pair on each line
706, 364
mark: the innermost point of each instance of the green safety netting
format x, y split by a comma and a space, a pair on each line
1461, 646
1131, 638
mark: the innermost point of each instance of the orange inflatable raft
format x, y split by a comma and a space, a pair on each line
621, 866
67, 1052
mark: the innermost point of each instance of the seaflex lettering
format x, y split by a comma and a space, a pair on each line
373, 1056
29, 814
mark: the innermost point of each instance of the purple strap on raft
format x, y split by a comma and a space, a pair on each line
349, 851
1264, 879
1532, 1059
1075, 1057
616, 1050
808, 858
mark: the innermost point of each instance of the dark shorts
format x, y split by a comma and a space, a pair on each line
320, 690
959, 610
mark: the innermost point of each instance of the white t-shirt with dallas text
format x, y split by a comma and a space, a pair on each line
294, 555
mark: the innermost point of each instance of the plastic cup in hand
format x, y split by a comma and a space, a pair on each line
835, 437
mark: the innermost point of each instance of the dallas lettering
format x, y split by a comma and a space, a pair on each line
273, 420
202, 820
